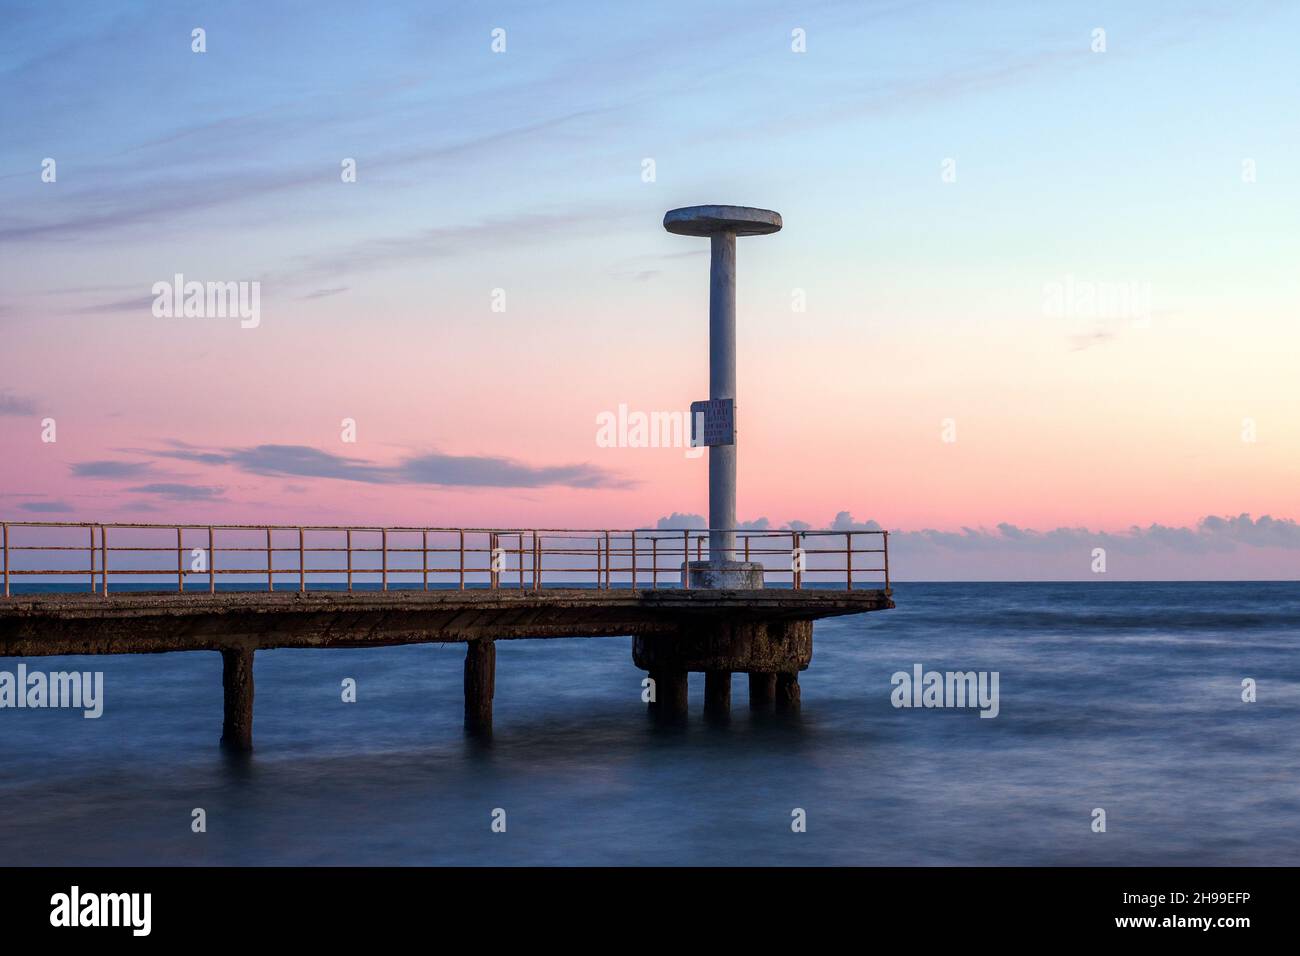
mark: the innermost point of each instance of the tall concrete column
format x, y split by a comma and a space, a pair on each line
722, 385
722, 225
237, 684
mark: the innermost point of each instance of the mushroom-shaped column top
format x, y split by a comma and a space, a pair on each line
710, 220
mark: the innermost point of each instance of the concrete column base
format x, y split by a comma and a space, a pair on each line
724, 575
670, 703
762, 691
787, 692
237, 684
736, 646
480, 685
717, 693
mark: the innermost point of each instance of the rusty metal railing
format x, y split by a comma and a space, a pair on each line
333, 557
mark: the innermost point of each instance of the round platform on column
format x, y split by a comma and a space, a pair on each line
708, 220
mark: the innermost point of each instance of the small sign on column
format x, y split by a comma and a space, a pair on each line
713, 422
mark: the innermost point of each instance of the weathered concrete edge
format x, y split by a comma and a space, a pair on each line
48, 625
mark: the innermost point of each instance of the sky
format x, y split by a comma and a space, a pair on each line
1036, 291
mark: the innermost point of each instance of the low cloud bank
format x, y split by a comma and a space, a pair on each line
1215, 548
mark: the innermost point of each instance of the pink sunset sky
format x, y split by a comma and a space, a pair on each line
934, 381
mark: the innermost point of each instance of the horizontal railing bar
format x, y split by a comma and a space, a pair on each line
660, 532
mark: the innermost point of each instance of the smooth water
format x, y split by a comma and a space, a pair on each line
1126, 697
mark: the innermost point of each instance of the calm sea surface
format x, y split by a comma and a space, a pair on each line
1125, 697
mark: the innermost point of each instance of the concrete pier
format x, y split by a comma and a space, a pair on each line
766, 634
237, 683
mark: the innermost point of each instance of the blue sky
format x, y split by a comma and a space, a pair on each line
523, 170
447, 132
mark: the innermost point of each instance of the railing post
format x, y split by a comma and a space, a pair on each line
794, 567
349, 550
180, 564
212, 563
5, 528
654, 563
686, 558
609, 561
91, 529
383, 557
848, 559
302, 563
633, 559
462, 560
493, 574
270, 564
424, 538
103, 557
885, 540
537, 562
521, 560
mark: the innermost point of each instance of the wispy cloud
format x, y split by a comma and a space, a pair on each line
176, 491
432, 468
1088, 339
151, 200
11, 404
110, 469
441, 242
46, 507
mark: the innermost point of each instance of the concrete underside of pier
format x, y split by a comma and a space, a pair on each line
766, 634
136, 623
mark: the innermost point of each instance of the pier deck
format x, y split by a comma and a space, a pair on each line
34, 625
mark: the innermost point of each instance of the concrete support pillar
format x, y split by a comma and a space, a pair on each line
670, 695
787, 692
237, 683
480, 685
717, 693
762, 691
